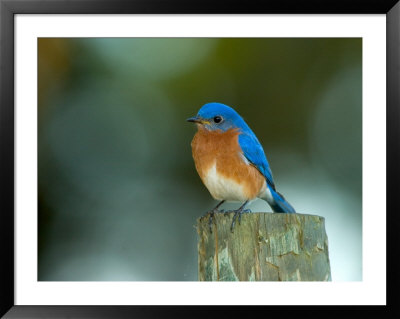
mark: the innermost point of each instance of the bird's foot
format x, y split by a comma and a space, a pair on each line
211, 216
237, 216
238, 213
212, 212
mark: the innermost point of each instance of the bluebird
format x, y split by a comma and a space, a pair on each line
231, 161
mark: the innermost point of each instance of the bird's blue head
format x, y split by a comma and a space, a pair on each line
218, 116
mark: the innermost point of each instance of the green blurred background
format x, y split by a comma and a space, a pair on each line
118, 192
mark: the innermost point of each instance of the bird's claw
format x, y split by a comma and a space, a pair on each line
211, 215
238, 215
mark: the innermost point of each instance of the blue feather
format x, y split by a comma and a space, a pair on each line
280, 204
254, 153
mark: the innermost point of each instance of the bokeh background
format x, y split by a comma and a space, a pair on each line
118, 192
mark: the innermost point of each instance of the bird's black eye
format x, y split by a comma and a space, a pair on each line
217, 119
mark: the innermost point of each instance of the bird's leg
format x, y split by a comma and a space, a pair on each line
239, 212
212, 212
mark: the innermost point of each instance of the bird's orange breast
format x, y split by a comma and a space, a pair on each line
222, 166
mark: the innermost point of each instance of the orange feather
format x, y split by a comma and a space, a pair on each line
223, 150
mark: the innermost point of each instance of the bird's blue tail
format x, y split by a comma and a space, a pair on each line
279, 204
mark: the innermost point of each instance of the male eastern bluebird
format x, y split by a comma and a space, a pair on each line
231, 161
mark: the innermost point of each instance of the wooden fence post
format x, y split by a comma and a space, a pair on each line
264, 247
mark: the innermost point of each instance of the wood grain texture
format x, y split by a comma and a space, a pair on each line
264, 247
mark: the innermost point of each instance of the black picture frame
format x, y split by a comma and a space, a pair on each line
8, 10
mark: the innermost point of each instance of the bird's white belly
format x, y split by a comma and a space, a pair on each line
222, 187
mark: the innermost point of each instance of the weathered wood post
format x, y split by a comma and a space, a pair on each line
264, 247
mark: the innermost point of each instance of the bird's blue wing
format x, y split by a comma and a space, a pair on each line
254, 153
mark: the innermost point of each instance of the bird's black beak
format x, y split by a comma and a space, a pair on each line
194, 119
